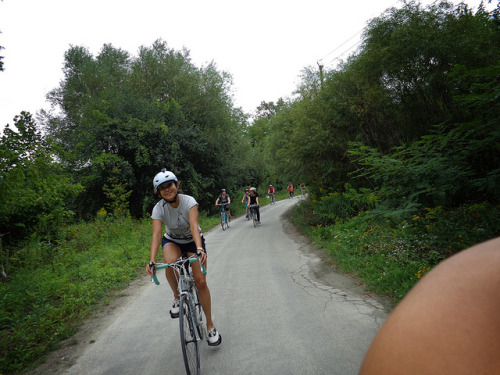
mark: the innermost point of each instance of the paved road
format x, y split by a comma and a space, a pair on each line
274, 314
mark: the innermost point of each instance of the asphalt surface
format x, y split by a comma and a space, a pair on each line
279, 309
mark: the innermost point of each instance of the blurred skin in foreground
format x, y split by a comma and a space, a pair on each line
449, 323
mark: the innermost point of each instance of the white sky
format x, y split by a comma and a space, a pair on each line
264, 44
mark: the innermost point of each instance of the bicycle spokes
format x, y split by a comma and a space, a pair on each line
189, 341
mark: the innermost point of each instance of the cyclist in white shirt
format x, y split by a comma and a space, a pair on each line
179, 213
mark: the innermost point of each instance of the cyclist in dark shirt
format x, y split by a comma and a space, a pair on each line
254, 199
225, 199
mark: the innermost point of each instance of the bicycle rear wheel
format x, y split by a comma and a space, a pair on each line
254, 217
190, 350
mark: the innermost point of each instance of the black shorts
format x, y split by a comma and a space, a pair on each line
189, 247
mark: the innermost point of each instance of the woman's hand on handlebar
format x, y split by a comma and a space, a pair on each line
202, 257
150, 268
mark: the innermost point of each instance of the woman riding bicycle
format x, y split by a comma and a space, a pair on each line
253, 200
271, 193
225, 201
245, 200
179, 213
290, 189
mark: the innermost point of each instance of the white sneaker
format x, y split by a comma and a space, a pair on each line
174, 310
214, 338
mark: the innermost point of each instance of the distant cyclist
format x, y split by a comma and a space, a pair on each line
254, 200
302, 189
271, 193
179, 213
224, 200
245, 200
290, 189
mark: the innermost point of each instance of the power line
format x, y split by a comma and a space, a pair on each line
347, 50
352, 37
348, 40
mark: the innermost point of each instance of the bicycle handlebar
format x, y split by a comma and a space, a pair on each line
173, 264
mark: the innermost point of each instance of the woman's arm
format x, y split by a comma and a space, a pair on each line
155, 243
448, 323
195, 232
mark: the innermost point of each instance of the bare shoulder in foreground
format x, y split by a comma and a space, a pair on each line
449, 323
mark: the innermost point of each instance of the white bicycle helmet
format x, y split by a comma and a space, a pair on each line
254, 189
162, 178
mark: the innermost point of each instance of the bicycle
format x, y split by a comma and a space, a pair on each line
192, 328
273, 201
224, 216
253, 214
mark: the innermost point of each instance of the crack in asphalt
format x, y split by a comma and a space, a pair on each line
364, 305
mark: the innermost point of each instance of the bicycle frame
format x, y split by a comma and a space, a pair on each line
252, 209
224, 216
186, 286
272, 199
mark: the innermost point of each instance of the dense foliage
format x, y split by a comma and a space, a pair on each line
36, 195
417, 69
400, 146
126, 117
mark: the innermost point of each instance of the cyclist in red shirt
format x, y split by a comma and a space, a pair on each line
290, 189
271, 193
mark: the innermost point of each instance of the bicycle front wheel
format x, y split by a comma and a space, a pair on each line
190, 349
223, 221
198, 314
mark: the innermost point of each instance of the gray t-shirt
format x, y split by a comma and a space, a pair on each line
176, 220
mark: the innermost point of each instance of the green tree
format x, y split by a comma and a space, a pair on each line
457, 164
393, 91
143, 113
35, 194
412, 49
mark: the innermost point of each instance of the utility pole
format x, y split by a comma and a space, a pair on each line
320, 75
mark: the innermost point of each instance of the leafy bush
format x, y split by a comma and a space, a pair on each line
390, 250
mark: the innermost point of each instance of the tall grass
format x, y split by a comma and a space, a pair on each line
389, 250
46, 298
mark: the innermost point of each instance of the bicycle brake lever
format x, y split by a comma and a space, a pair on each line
203, 269
154, 279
